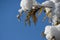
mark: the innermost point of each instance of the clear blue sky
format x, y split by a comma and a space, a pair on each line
11, 29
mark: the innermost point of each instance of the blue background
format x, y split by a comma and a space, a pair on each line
11, 29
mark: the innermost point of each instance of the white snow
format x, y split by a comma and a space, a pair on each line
55, 1
27, 5
51, 31
57, 10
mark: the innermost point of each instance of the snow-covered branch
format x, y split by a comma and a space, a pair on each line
52, 11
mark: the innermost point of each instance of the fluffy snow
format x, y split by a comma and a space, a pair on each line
51, 31
27, 5
55, 1
57, 10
